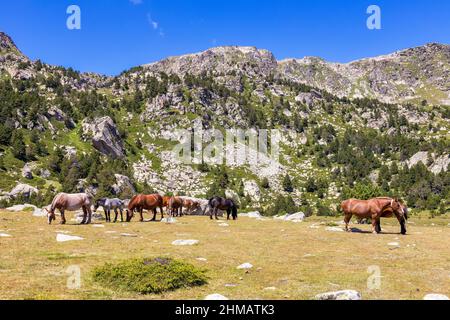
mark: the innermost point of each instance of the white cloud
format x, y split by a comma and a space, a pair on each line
155, 25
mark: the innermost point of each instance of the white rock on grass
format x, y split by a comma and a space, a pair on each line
39, 213
296, 217
334, 229
20, 207
394, 244
224, 225
270, 289
185, 242
5, 235
216, 297
253, 215
169, 220
245, 266
65, 238
340, 295
435, 296
128, 235
202, 259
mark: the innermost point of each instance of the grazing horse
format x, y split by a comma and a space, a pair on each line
218, 203
375, 209
108, 205
190, 205
70, 202
143, 202
175, 207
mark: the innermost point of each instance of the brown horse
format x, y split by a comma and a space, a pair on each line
143, 202
71, 202
375, 209
190, 205
175, 207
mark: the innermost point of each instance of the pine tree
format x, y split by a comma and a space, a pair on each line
287, 184
18, 146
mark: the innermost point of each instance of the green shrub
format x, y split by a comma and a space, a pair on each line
149, 276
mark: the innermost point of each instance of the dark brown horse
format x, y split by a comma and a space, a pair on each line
143, 202
375, 209
218, 203
175, 207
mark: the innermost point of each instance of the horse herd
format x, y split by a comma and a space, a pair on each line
152, 202
375, 209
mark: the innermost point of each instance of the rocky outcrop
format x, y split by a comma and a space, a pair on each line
251, 189
441, 164
27, 172
417, 158
412, 74
104, 136
24, 190
123, 185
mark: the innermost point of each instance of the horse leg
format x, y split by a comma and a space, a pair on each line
228, 214
89, 215
347, 219
63, 218
162, 212
374, 225
154, 214
378, 226
84, 215
116, 215
216, 213
211, 212
402, 224
121, 215
106, 214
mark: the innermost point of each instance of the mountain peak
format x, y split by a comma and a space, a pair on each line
7, 44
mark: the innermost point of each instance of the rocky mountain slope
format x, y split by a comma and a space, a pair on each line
371, 127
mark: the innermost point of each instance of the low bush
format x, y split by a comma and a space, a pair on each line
149, 276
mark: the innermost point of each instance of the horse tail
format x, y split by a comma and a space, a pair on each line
234, 212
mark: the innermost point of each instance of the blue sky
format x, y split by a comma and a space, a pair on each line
119, 34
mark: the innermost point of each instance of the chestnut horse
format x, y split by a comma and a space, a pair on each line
375, 209
143, 202
71, 202
190, 205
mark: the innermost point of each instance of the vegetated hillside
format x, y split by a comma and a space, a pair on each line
61, 130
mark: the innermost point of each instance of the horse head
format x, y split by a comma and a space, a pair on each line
50, 215
399, 208
98, 204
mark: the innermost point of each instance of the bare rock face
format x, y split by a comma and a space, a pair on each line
221, 61
123, 184
417, 158
440, 164
23, 190
411, 74
27, 172
105, 136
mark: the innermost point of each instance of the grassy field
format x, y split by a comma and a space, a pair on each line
298, 260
